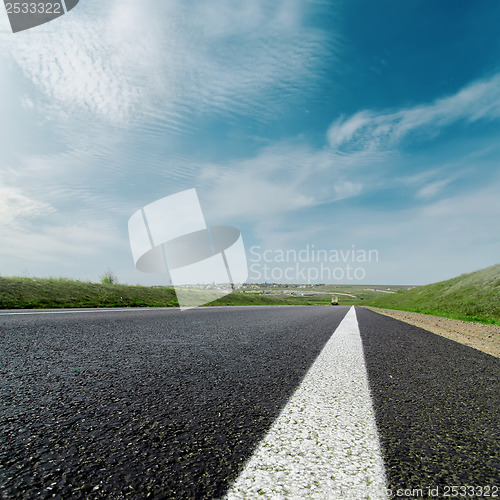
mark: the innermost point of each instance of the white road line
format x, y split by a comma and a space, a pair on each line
324, 444
86, 311
129, 309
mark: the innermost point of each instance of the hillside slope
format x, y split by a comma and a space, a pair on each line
39, 293
471, 297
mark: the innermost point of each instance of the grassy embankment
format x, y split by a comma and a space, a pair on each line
472, 297
31, 293
34, 293
469, 297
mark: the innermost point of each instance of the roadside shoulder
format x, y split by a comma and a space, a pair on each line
485, 338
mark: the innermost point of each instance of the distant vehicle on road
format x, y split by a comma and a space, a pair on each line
335, 301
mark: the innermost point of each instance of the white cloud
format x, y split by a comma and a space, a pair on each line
342, 131
418, 245
121, 61
282, 179
459, 232
16, 207
62, 244
122, 64
347, 189
433, 189
254, 188
370, 131
287, 177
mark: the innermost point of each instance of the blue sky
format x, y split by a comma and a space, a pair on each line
325, 123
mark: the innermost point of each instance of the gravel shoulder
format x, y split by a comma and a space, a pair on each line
485, 338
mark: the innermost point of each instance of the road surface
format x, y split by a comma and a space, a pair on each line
257, 402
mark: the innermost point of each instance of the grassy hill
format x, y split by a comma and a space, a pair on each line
470, 297
473, 297
31, 293
41, 293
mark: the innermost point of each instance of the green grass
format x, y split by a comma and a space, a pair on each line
317, 295
358, 294
31, 293
248, 299
469, 297
43, 293
472, 297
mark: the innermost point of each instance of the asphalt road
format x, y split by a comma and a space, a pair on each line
164, 404
437, 405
